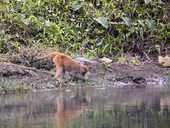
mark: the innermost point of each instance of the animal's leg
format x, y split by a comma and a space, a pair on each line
59, 73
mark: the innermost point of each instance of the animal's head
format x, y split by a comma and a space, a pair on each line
85, 71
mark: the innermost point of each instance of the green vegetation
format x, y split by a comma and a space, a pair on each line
89, 27
7, 86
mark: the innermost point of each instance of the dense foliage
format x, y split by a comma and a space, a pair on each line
91, 27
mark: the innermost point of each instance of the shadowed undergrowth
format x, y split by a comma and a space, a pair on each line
89, 27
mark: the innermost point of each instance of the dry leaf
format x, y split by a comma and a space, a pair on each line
106, 60
164, 61
160, 60
167, 61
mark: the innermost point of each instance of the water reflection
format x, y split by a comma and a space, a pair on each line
87, 108
69, 108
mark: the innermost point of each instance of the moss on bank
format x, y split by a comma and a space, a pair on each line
12, 86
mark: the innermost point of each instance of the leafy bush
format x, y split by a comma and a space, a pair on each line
91, 27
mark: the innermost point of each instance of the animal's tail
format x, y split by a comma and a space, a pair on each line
53, 54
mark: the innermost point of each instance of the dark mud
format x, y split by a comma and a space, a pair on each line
119, 75
102, 75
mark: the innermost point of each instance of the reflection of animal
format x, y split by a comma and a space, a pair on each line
69, 108
65, 63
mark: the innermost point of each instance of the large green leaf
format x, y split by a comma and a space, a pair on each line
127, 21
151, 24
26, 21
77, 6
47, 23
148, 1
103, 21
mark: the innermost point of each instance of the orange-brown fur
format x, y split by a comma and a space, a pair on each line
66, 110
65, 63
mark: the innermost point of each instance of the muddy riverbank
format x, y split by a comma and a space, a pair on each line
102, 75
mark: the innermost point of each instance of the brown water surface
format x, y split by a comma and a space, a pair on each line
87, 108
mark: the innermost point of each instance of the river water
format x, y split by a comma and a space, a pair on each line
87, 108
